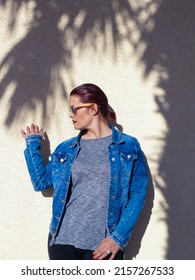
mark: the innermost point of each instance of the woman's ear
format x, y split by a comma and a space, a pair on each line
95, 109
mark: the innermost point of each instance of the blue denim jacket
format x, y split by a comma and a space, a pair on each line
128, 181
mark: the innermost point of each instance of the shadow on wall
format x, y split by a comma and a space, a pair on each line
34, 63
45, 153
171, 51
134, 244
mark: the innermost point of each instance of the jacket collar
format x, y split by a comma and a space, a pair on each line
117, 137
76, 139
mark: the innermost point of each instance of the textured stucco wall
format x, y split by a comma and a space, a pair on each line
141, 56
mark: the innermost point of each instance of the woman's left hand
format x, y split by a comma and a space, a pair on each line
106, 247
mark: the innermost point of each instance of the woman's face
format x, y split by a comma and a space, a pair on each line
83, 117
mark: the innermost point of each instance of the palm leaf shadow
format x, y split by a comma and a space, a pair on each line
34, 63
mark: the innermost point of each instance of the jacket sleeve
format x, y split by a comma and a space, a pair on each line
40, 175
137, 193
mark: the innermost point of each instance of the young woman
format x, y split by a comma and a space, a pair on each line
99, 179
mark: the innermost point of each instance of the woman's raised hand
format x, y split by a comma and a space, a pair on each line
32, 130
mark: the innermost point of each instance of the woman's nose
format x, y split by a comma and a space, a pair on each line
71, 115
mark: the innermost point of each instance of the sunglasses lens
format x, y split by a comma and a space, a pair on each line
73, 110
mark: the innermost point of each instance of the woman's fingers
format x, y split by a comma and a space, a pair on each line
32, 130
36, 129
27, 130
107, 247
23, 133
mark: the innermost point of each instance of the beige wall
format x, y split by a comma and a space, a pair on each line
141, 55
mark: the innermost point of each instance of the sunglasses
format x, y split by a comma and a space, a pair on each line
73, 109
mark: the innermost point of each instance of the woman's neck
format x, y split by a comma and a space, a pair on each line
98, 130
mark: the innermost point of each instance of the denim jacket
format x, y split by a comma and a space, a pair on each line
128, 181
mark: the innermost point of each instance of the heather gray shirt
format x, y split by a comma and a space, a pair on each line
84, 222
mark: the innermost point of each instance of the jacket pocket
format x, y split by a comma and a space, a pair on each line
58, 163
129, 156
127, 161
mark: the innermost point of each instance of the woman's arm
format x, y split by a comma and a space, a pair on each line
130, 214
40, 175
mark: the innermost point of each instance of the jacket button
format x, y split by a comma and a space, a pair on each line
129, 156
61, 160
113, 159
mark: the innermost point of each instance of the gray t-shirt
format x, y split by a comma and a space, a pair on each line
84, 222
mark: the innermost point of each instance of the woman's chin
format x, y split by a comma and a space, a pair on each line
76, 126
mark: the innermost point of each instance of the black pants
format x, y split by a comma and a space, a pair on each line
69, 252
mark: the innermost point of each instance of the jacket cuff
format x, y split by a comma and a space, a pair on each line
118, 239
33, 138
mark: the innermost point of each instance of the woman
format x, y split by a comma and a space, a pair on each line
99, 179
